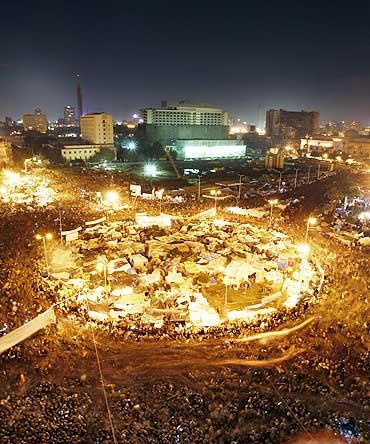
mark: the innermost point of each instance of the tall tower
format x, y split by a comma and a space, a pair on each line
79, 97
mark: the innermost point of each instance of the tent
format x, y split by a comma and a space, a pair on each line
139, 261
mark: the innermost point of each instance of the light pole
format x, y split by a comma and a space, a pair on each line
240, 185
101, 266
60, 225
160, 200
310, 221
280, 174
272, 202
309, 172
225, 302
215, 193
318, 171
199, 188
25, 163
44, 238
295, 179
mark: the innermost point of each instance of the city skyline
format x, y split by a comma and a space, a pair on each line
245, 59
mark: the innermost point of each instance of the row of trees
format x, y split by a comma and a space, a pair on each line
139, 148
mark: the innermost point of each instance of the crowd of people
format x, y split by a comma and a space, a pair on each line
171, 385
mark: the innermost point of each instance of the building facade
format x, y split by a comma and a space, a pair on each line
97, 128
35, 122
274, 160
209, 149
291, 124
85, 152
184, 120
6, 157
321, 144
357, 147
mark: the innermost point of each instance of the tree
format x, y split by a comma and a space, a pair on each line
104, 154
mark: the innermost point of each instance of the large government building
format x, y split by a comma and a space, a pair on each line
291, 124
184, 120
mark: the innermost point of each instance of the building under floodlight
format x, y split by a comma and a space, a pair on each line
184, 120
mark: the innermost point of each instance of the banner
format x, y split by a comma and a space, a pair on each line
76, 230
135, 190
72, 236
208, 213
25, 331
95, 222
147, 221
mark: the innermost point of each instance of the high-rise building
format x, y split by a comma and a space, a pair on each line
97, 128
79, 97
184, 120
36, 122
69, 115
9, 121
291, 124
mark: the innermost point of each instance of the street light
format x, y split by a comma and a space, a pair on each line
150, 169
280, 174
303, 249
309, 172
160, 193
215, 193
112, 198
26, 163
101, 266
44, 238
199, 176
296, 178
310, 221
240, 185
131, 146
272, 202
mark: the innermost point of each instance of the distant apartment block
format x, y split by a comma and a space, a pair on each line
291, 124
35, 122
97, 128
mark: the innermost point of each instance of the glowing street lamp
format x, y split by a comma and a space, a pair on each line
215, 193
131, 146
310, 221
303, 249
272, 202
12, 179
150, 170
112, 198
44, 238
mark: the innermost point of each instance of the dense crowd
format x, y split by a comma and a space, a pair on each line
174, 390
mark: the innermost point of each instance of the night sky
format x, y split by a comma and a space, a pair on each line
237, 55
